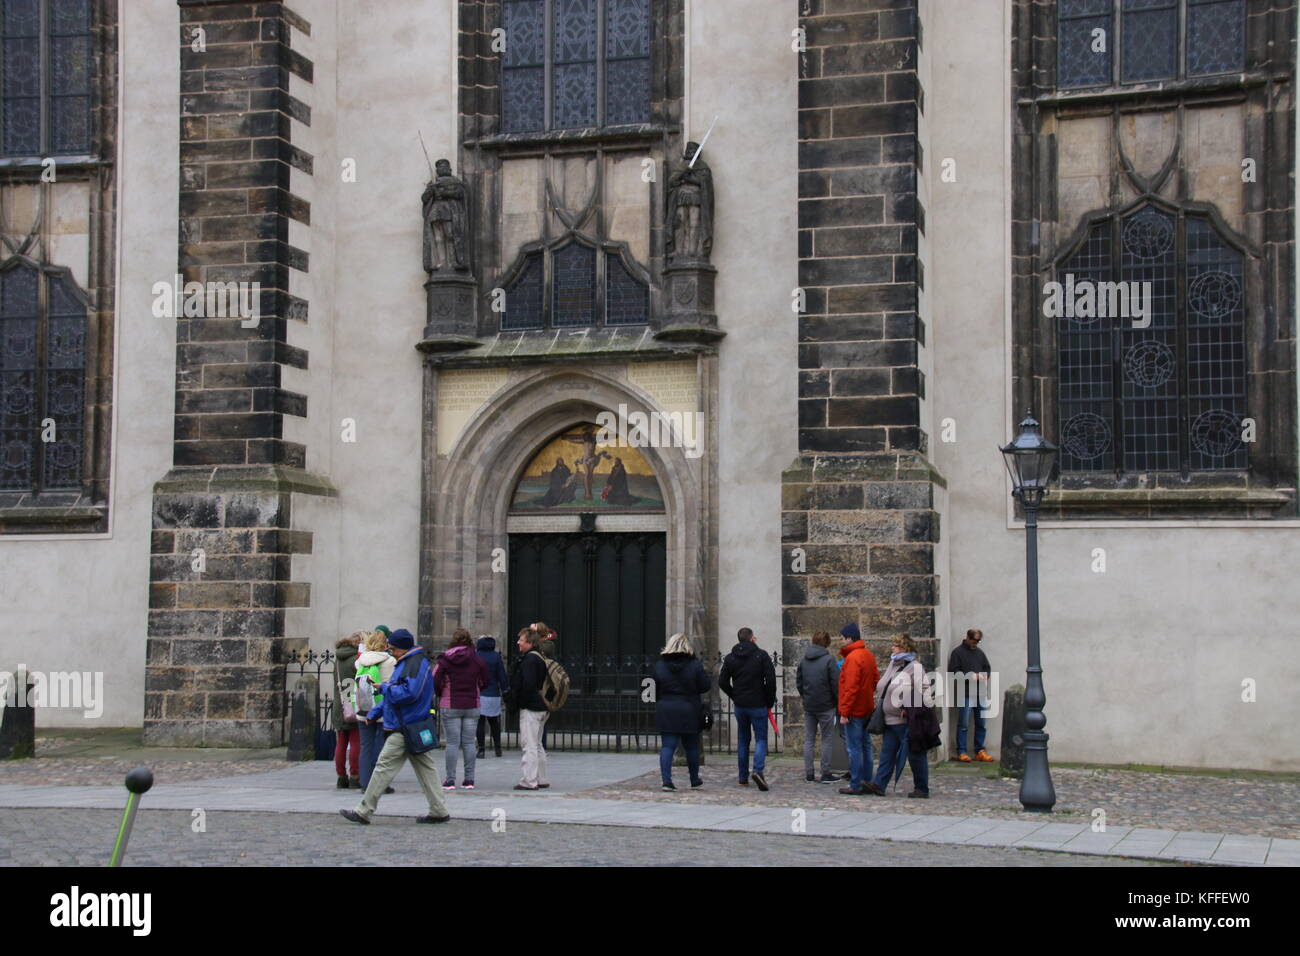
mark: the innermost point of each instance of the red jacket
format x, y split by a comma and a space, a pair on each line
858, 679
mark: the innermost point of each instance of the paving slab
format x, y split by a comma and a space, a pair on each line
1242, 849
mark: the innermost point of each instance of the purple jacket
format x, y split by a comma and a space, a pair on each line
459, 677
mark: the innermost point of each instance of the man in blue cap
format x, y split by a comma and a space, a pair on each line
407, 698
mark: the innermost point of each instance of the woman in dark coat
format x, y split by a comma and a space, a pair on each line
679, 712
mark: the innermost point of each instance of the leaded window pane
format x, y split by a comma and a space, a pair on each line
65, 54
523, 78
627, 62
573, 286
573, 81
575, 30
22, 95
1078, 63
1148, 357
627, 301
523, 100
574, 86
627, 29
575, 63
1216, 37
18, 372
1181, 377
1086, 395
627, 91
1216, 349
524, 298
1150, 40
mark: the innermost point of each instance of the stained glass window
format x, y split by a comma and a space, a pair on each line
1083, 42
1150, 32
1216, 36
573, 299
574, 64
46, 61
1104, 42
42, 380
525, 298
573, 286
627, 300
1152, 371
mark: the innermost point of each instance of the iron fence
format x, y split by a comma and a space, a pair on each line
611, 706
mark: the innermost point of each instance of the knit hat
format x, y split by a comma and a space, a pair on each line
384, 629
401, 639
851, 632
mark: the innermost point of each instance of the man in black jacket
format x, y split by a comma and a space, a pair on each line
526, 697
749, 679
970, 669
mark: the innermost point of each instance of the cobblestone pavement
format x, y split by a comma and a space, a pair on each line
1173, 801
165, 838
104, 759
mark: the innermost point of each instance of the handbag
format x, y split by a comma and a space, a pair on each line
876, 723
421, 736
706, 716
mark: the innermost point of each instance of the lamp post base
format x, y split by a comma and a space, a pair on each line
1037, 795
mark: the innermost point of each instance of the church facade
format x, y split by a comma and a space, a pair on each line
646, 316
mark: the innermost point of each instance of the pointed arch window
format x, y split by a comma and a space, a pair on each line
587, 287
42, 378
1160, 387
46, 64
574, 64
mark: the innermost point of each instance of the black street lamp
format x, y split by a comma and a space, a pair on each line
1031, 462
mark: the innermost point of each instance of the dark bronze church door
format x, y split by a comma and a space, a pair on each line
604, 594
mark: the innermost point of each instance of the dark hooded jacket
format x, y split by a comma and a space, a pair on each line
679, 682
817, 680
498, 679
458, 678
748, 677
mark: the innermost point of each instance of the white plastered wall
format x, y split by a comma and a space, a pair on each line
742, 69
79, 603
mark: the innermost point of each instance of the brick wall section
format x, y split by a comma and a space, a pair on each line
222, 544
858, 519
858, 336
235, 208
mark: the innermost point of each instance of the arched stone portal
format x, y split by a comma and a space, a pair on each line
470, 479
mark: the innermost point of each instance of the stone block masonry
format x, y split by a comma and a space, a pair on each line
859, 526
221, 573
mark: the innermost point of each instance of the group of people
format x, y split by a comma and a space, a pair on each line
898, 705
390, 700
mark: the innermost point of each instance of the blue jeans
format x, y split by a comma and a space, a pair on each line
460, 725
372, 741
963, 716
690, 743
754, 718
896, 737
858, 743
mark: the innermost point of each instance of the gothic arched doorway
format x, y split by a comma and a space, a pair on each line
588, 556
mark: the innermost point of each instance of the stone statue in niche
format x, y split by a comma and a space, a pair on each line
446, 237
689, 236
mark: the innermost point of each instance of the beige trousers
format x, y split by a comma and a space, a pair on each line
391, 758
531, 723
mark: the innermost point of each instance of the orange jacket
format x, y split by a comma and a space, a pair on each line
858, 679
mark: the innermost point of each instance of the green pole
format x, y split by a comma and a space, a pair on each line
138, 782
